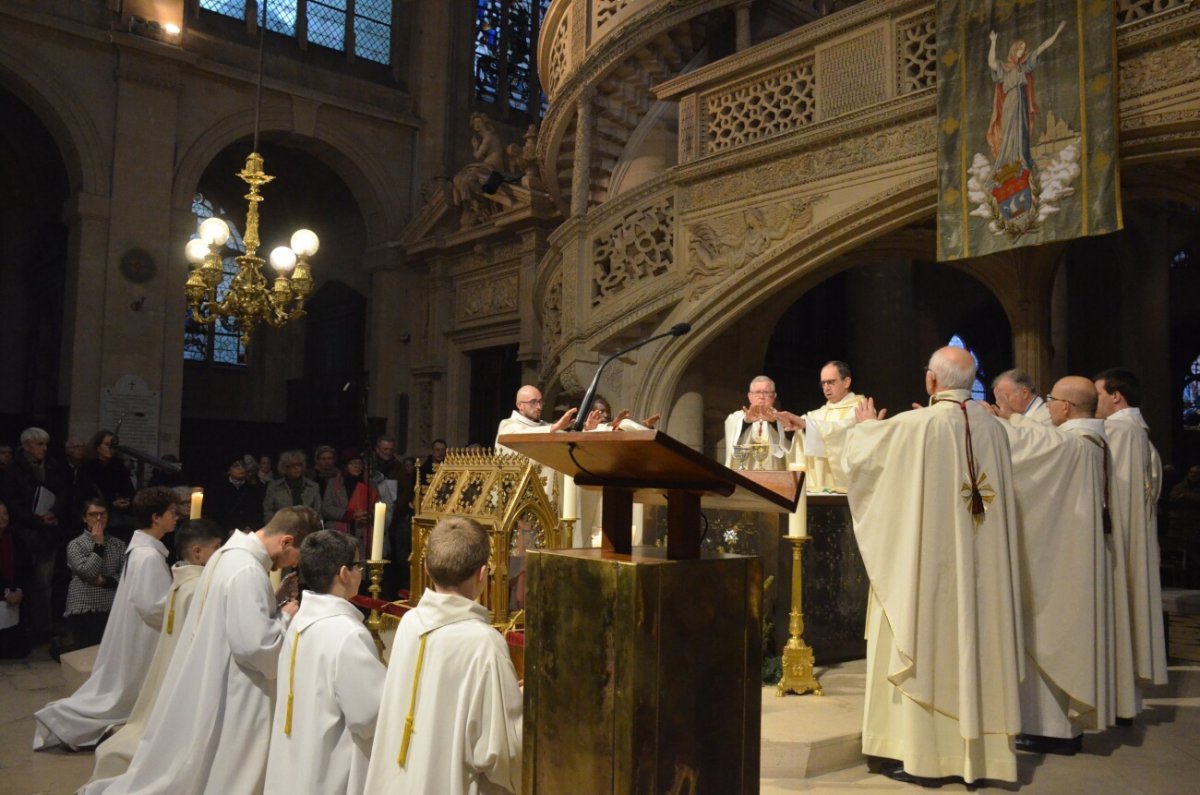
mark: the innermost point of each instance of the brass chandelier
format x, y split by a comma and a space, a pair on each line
249, 301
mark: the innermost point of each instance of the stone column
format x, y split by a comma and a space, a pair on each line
687, 414
87, 218
742, 22
581, 177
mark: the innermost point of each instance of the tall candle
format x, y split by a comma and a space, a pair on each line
798, 521
377, 531
570, 499
197, 501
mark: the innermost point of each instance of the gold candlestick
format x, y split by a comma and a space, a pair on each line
375, 619
798, 674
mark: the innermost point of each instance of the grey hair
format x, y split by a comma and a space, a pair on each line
291, 457
34, 435
324, 448
760, 378
949, 375
1018, 377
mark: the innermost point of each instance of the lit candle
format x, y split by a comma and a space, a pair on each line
570, 499
197, 500
377, 532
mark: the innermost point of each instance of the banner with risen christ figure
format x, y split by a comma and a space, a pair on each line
1027, 123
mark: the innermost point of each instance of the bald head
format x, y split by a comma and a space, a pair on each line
950, 368
529, 402
1072, 398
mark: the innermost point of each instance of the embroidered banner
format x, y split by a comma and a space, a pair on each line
1027, 123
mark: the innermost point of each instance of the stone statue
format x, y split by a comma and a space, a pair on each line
467, 185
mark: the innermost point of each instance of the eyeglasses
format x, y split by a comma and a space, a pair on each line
1051, 399
762, 394
534, 402
356, 564
830, 381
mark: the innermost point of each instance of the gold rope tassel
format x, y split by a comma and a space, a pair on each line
412, 705
171, 612
287, 720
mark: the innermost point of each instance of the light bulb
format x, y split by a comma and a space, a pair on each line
195, 251
283, 259
214, 231
305, 242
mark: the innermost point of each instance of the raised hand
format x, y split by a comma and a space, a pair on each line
593, 420
865, 411
652, 420
564, 421
790, 421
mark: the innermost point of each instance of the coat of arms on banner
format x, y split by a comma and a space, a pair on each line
1026, 110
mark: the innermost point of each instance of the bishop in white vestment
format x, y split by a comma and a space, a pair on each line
935, 521
758, 427
1136, 482
210, 729
330, 679
451, 715
106, 699
1059, 481
195, 541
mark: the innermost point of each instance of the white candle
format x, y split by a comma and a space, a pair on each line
377, 532
639, 521
197, 501
798, 521
570, 499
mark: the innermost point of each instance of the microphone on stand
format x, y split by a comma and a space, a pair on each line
589, 397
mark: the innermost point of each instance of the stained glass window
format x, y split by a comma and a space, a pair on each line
221, 342
978, 390
326, 23
1191, 397
506, 33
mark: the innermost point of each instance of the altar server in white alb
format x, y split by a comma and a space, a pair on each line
451, 715
106, 699
817, 449
931, 496
1136, 482
758, 425
1059, 480
330, 679
195, 542
211, 727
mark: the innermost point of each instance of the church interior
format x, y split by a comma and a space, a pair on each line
506, 192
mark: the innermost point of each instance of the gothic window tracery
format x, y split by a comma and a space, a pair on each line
325, 23
506, 34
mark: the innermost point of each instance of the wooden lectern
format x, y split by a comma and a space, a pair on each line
643, 665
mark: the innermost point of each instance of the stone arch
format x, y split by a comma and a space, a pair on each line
329, 146
75, 132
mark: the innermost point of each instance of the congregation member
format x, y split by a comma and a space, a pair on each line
95, 560
14, 564
450, 721
106, 699
195, 542
437, 454
383, 460
1016, 393
211, 725
292, 488
931, 495
527, 417
348, 499
1136, 481
1059, 482
758, 425
234, 503
110, 479
32, 489
329, 677
325, 467
815, 449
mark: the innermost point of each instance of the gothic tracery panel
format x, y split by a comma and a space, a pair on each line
638, 247
761, 107
916, 52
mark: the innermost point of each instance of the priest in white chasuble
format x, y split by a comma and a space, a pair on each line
931, 495
211, 726
758, 425
330, 679
106, 699
1136, 482
195, 542
1016, 394
450, 721
1059, 481
818, 449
